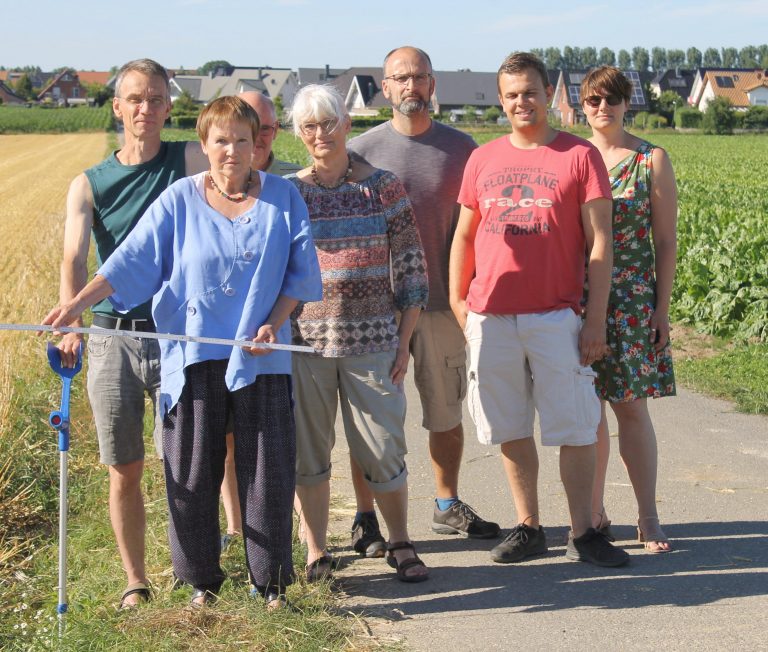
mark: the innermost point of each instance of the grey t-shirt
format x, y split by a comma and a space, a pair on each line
430, 166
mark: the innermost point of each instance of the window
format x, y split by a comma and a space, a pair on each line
573, 94
724, 82
677, 83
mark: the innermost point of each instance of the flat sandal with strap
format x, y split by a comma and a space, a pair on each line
402, 567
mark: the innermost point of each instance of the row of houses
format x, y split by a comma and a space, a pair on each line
454, 90
67, 86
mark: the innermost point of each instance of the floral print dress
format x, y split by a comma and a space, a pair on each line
633, 369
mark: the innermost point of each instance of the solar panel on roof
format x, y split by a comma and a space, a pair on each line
637, 96
577, 77
724, 82
573, 94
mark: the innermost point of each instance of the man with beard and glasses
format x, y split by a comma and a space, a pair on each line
428, 157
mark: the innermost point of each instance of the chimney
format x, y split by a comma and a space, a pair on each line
327, 71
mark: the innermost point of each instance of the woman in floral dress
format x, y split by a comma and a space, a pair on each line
639, 365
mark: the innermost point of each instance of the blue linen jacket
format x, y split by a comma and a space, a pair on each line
214, 277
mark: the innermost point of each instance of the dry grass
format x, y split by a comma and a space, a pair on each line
35, 172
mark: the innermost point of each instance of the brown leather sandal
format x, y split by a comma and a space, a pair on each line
402, 567
139, 589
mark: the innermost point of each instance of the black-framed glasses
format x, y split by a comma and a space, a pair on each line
417, 79
328, 126
595, 100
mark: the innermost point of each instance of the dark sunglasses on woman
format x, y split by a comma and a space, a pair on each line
594, 100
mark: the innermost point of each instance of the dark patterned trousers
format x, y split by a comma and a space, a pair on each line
194, 449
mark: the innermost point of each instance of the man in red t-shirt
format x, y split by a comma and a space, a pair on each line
533, 204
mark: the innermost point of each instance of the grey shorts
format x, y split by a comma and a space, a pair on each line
373, 411
121, 372
439, 355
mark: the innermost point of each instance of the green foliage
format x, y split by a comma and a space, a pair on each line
367, 121
470, 113
641, 119
34, 120
606, 57
718, 118
279, 107
385, 112
688, 118
693, 58
492, 114
668, 102
756, 117
210, 66
100, 93
23, 87
730, 57
658, 58
624, 61
640, 58
675, 59
184, 121
722, 274
185, 105
712, 58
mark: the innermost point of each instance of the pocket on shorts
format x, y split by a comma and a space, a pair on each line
98, 345
587, 403
455, 379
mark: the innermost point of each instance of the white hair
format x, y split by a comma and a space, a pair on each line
317, 102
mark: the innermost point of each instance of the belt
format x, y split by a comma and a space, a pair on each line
115, 324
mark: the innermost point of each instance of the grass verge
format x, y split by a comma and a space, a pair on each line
738, 374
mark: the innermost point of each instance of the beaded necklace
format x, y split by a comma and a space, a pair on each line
238, 196
332, 186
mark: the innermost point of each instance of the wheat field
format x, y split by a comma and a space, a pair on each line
35, 172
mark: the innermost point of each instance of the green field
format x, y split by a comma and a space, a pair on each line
38, 120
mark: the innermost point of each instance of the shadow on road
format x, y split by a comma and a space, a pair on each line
711, 562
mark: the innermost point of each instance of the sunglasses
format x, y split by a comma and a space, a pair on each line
595, 100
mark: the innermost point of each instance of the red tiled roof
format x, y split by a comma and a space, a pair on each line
93, 77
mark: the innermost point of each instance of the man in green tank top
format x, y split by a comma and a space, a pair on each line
107, 201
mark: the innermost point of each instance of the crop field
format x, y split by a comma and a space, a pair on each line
38, 120
35, 172
722, 273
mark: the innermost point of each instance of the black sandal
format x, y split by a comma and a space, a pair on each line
402, 567
140, 589
322, 568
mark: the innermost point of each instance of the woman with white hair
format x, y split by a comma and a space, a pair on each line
372, 267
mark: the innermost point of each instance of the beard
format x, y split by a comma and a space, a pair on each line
412, 105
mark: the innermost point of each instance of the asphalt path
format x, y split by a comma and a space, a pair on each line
710, 593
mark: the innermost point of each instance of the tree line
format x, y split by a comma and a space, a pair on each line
657, 59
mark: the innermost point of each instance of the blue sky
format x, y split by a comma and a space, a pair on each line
475, 34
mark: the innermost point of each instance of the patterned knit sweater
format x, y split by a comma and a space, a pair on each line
372, 264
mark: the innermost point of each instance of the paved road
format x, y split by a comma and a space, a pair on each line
709, 594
